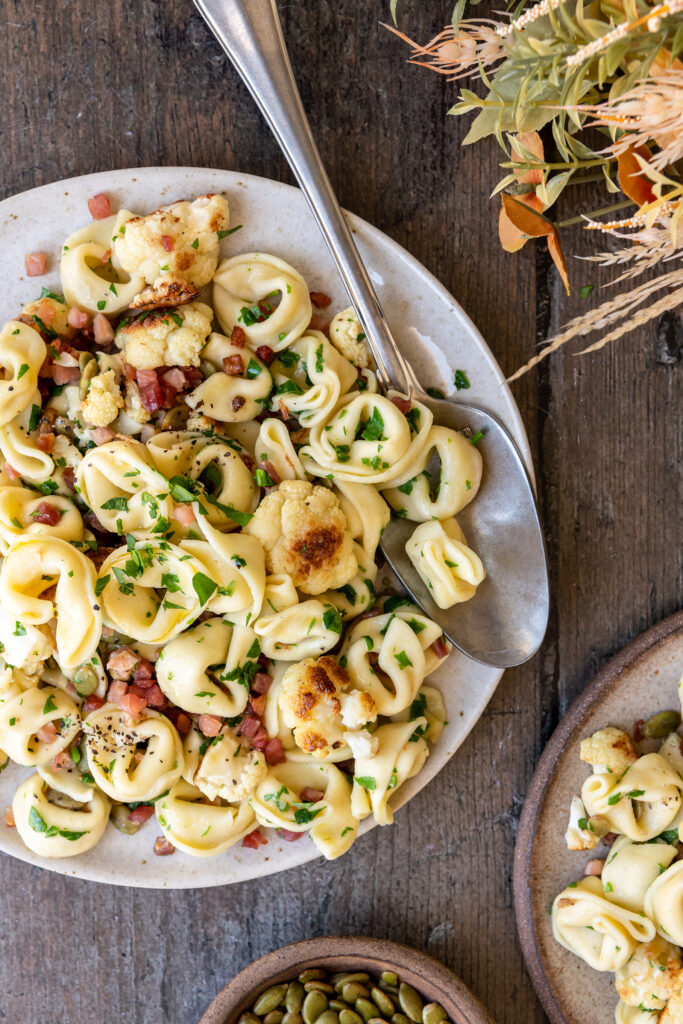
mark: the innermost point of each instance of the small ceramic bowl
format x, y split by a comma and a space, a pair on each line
431, 979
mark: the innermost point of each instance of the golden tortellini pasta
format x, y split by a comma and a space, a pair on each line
450, 569
199, 826
132, 760
124, 490
602, 933
46, 578
367, 439
22, 351
226, 396
422, 498
51, 830
93, 278
152, 590
263, 296
309, 377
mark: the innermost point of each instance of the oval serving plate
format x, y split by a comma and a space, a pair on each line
430, 327
434, 981
639, 681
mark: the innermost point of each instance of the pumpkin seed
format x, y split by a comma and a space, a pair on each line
359, 976
389, 978
319, 986
433, 1014
410, 1001
88, 367
383, 1003
270, 999
350, 1017
274, 1017
120, 819
661, 724
315, 1003
248, 1018
392, 989
294, 999
292, 1018
62, 800
377, 1020
312, 974
365, 1008
352, 991
338, 1005
85, 680
400, 1018
328, 1017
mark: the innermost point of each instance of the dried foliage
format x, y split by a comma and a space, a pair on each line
604, 81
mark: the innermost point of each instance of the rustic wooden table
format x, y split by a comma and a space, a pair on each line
88, 87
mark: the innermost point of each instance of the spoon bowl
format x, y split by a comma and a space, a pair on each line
504, 623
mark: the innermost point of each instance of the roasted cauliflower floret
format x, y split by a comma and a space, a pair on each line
309, 700
103, 400
180, 240
167, 337
348, 337
230, 771
673, 1014
577, 837
165, 292
305, 534
651, 976
358, 708
609, 750
362, 743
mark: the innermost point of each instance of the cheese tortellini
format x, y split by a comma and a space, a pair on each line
132, 761
126, 493
93, 277
195, 475
52, 830
45, 579
460, 469
367, 439
602, 933
231, 397
263, 296
450, 569
22, 351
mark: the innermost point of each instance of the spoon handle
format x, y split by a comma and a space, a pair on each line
250, 33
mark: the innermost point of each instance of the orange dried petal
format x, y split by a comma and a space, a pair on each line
555, 249
632, 179
532, 142
511, 238
526, 219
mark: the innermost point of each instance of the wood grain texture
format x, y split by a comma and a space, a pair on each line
87, 87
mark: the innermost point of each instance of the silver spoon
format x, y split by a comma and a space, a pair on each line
504, 623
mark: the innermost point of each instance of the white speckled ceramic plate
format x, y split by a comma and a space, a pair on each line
432, 330
641, 680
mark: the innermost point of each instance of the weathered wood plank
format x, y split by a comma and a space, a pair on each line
89, 88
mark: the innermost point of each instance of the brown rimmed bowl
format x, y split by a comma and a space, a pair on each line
431, 979
639, 681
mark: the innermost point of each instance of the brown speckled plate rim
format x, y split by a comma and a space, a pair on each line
354, 952
545, 772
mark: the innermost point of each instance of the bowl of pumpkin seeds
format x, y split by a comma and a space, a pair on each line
346, 980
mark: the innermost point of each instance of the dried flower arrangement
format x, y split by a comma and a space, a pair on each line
605, 81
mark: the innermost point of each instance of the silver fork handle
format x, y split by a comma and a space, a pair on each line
250, 33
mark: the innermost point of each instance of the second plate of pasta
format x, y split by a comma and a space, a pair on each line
196, 468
